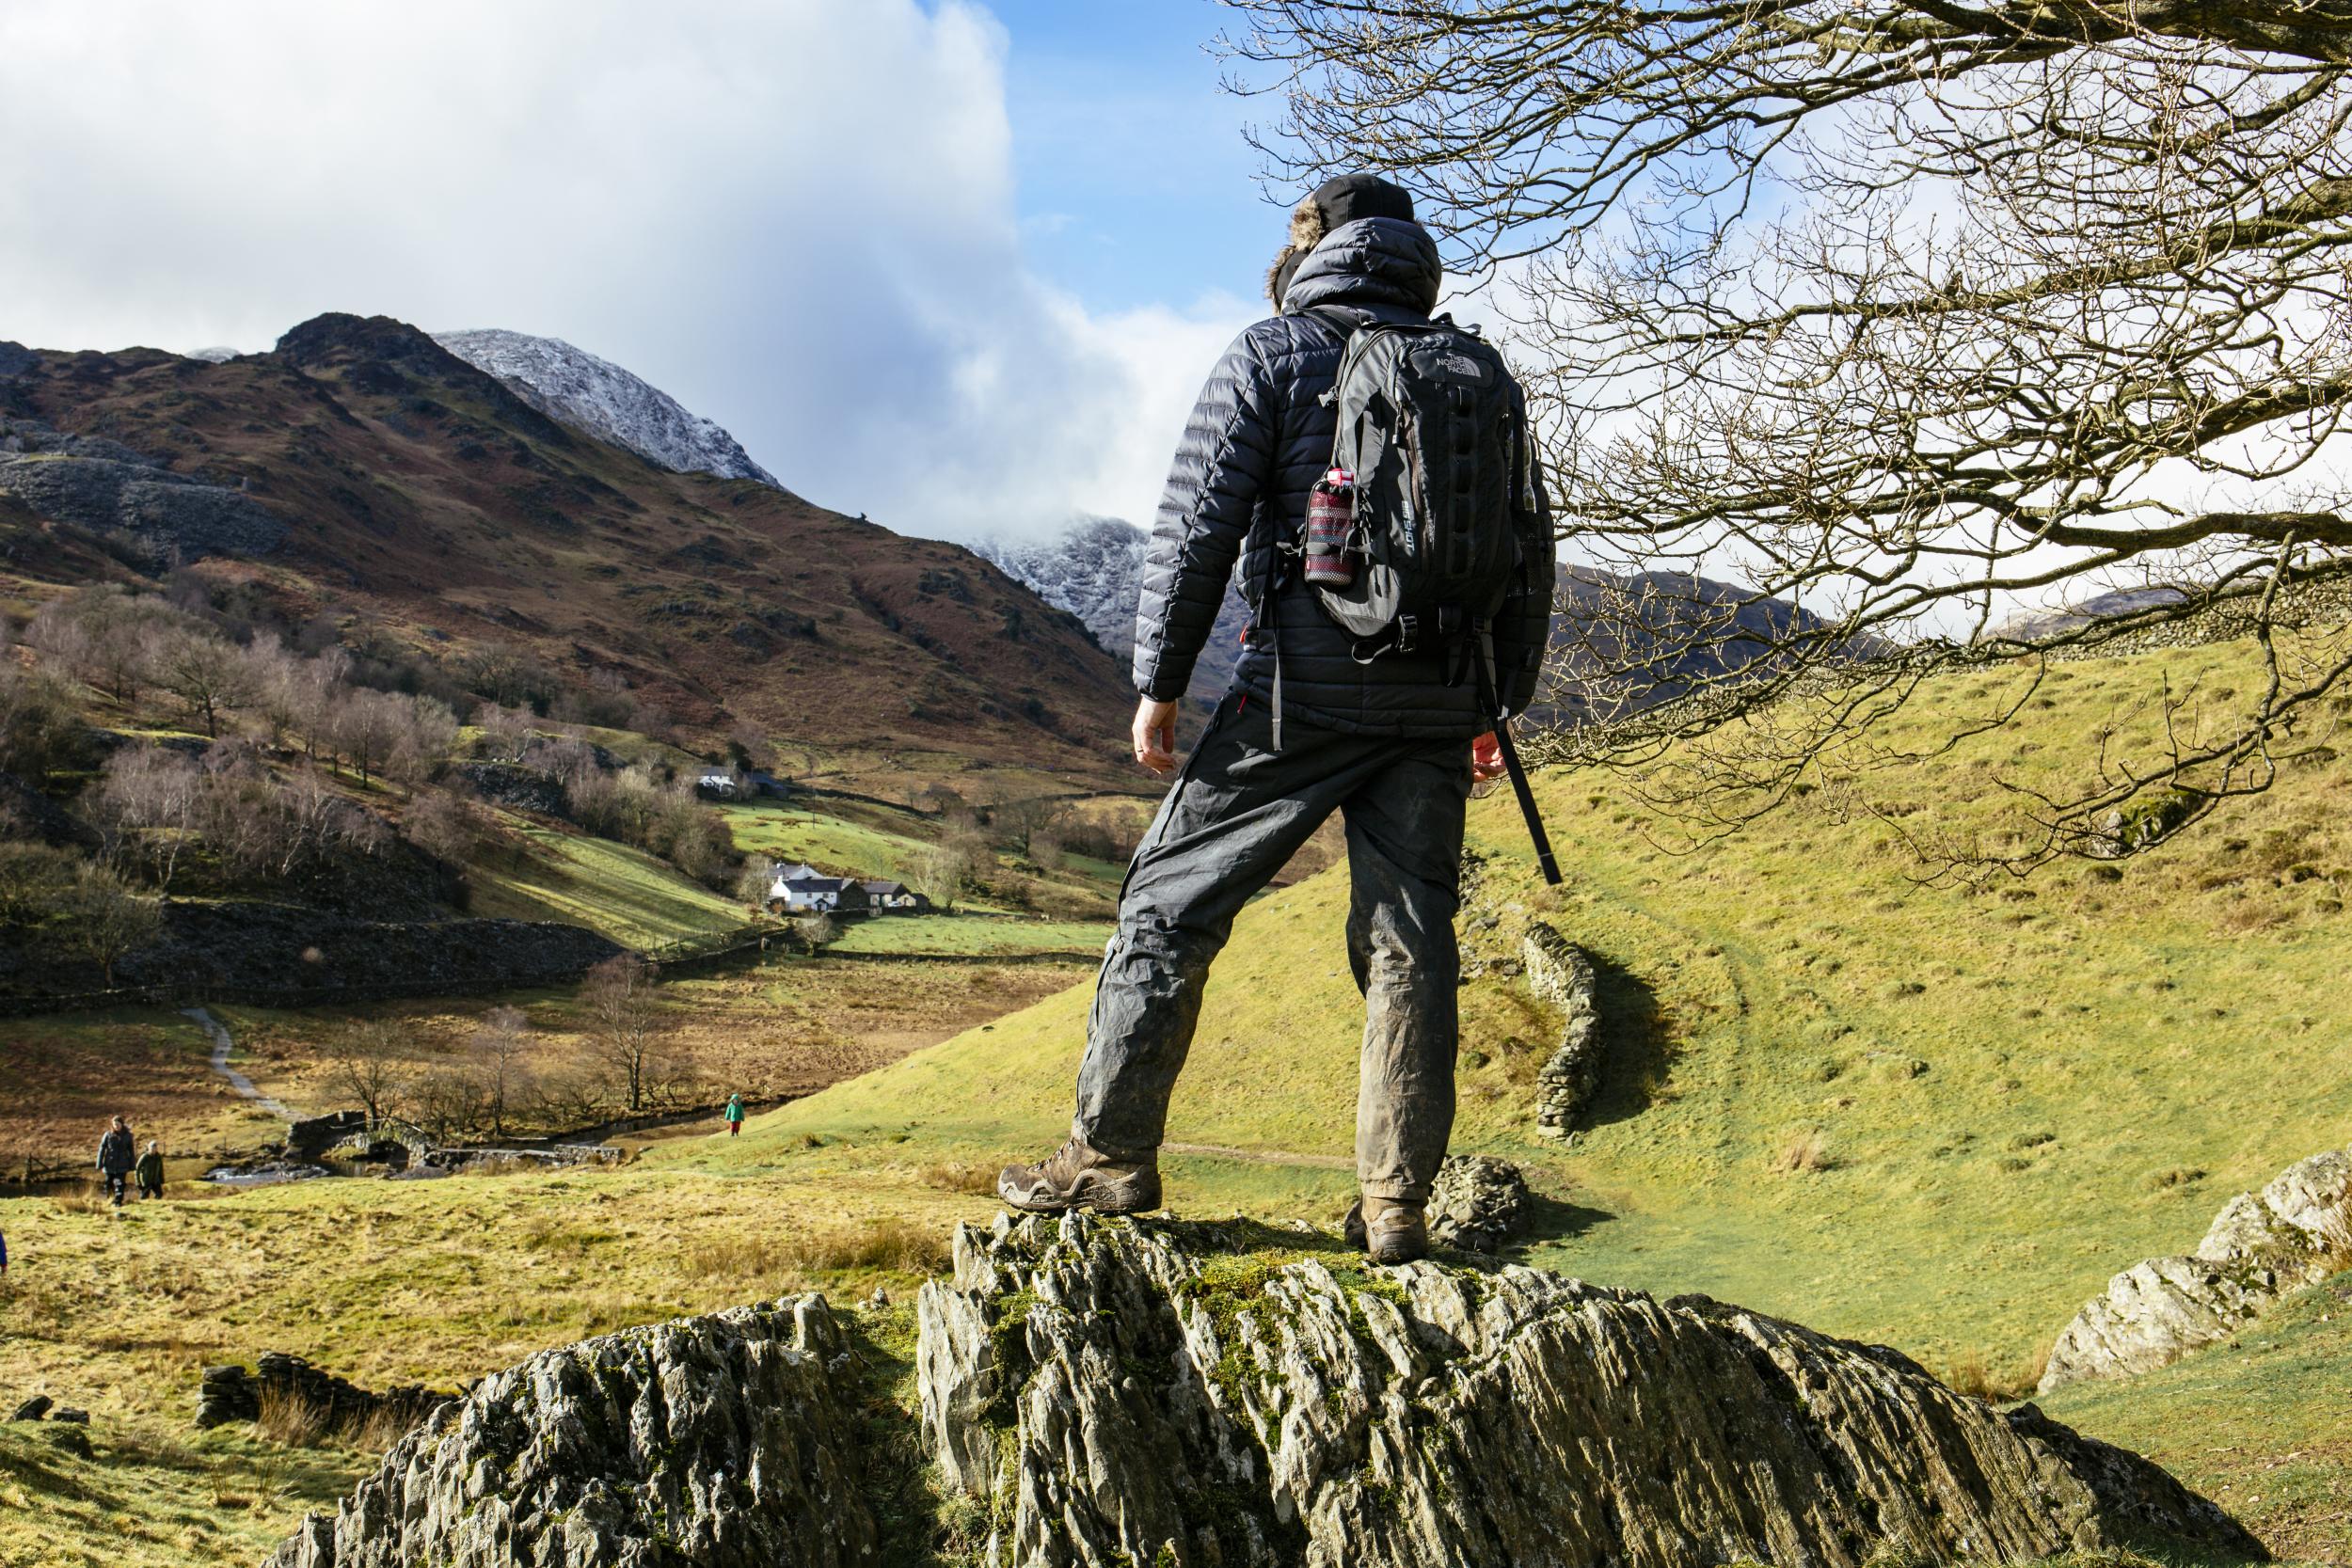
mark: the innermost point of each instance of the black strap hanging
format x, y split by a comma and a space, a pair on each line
1549, 866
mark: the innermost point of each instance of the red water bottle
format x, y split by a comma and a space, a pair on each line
1330, 523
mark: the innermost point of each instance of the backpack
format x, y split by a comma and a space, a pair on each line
1432, 485
1434, 446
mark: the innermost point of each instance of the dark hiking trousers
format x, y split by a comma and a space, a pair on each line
1235, 815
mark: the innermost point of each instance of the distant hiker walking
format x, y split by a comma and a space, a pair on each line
733, 1113
150, 1171
1372, 474
117, 1155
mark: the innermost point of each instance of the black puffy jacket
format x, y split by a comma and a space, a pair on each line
1256, 443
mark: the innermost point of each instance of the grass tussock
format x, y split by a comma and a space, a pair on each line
289, 1418
779, 1258
966, 1176
1805, 1154
1981, 1376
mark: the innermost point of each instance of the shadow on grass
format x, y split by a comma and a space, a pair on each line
1555, 1219
1636, 1056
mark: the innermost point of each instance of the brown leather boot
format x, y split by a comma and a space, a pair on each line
1392, 1230
1077, 1176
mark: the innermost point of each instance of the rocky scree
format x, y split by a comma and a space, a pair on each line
107, 489
1115, 1392
2296, 1231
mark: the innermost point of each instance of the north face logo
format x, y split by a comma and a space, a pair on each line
1462, 365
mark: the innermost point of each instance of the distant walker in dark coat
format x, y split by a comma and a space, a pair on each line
150, 1171
118, 1155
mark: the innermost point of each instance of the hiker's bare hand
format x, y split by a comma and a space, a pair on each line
1485, 758
1155, 736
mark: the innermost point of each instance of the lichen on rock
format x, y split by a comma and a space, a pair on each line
729, 1441
1148, 1391
2298, 1229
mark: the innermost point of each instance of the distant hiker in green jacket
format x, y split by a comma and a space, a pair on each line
734, 1114
150, 1171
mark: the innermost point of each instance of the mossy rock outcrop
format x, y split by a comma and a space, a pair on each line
1117, 1392
731, 1441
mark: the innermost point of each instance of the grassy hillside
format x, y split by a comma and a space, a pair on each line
1928, 1114
420, 492
629, 895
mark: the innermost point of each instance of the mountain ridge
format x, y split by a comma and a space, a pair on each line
429, 500
607, 400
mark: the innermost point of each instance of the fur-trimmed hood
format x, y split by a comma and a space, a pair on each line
1371, 261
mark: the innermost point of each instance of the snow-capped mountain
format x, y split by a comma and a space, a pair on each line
599, 397
1094, 570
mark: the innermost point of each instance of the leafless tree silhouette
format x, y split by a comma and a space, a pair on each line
1906, 313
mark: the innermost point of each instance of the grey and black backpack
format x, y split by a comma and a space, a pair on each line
1433, 429
1440, 513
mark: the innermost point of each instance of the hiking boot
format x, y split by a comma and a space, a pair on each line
1077, 1176
1396, 1230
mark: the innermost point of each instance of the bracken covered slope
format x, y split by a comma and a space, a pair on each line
414, 487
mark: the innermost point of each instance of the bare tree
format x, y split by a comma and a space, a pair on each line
942, 870
99, 634
41, 727
625, 1023
1903, 313
211, 677
369, 1061
443, 825
755, 882
36, 882
104, 920
500, 1047
148, 801
817, 930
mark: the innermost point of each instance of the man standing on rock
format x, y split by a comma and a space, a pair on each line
117, 1155
1392, 736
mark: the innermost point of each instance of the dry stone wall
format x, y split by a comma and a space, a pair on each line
1559, 972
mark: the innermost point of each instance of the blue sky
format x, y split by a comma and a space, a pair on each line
1135, 184
959, 264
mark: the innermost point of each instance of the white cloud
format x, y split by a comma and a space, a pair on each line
797, 216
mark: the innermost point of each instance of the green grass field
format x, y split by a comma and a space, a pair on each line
1924, 1115
858, 839
830, 843
628, 894
969, 933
